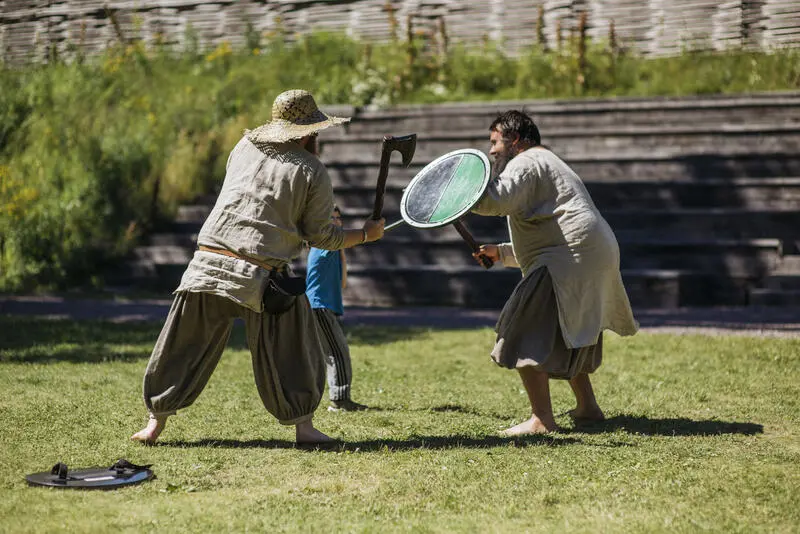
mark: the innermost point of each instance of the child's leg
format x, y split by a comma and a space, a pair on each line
339, 371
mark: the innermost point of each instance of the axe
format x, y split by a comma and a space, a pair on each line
476, 248
406, 145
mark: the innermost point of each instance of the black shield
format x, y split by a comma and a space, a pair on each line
122, 473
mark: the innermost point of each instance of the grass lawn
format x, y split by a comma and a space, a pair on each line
703, 435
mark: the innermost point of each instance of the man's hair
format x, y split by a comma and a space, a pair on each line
515, 122
336, 209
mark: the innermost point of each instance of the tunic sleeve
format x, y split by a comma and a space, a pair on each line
316, 226
507, 255
509, 193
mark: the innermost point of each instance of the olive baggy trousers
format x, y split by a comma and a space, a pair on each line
286, 351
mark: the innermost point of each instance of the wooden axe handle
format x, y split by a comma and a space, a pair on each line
383, 173
476, 248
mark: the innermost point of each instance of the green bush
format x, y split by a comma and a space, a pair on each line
94, 152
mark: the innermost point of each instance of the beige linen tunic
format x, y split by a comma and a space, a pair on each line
554, 223
274, 197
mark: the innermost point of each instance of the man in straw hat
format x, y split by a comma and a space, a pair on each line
276, 195
571, 290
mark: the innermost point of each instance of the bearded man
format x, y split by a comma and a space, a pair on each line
571, 290
276, 195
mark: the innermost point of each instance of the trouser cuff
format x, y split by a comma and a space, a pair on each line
339, 393
296, 420
162, 415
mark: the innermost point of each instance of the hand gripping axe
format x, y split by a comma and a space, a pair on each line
406, 145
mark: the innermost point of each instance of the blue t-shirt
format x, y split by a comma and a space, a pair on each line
324, 280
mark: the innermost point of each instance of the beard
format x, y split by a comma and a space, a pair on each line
500, 161
311, 145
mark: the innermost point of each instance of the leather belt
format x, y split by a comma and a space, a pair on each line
230, 254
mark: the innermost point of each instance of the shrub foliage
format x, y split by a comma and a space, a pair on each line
94, 151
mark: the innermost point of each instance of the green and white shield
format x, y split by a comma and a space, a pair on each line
446, 189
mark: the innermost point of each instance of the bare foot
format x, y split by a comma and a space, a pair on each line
532, 426
149, 434
305, 433
587, 415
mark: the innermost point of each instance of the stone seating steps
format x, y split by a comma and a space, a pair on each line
665, 273
781, 287
631, 141
745, 257
755, 193
644, 167
776, 108
684, 222
662, 272
701, 192
749, 194
772, 297
391, 285
640, 223
742, 257
467, 286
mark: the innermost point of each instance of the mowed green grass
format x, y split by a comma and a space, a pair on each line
703, 435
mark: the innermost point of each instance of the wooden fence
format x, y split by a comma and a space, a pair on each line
34, 28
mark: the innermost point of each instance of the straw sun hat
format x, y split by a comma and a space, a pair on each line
294, 115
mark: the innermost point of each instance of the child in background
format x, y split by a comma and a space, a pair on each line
326, 276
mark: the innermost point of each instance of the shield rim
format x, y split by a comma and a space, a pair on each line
78, 481
433, 163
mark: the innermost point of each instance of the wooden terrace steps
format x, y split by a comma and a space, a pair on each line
624, 141
781, 287
773, 108
435, 285
643, 167
756, 194
742, 257
703, 194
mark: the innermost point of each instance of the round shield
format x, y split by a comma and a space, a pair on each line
447, 188
122, 473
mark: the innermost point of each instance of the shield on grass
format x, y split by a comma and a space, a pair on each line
122, 473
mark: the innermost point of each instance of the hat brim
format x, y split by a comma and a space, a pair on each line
280, 131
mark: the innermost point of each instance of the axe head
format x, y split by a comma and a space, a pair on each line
405, 144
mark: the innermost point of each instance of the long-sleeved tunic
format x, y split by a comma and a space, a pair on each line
273, 198
554, 223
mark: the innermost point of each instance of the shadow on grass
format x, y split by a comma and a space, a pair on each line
444, 408
356, 335
416, 443
36, 340
466, 410
669, 427
455, 408
380, 335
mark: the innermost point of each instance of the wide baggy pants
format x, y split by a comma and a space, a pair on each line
286, 351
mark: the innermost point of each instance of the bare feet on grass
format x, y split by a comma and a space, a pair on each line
534, 425
149, 434
306, 434
587, 415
